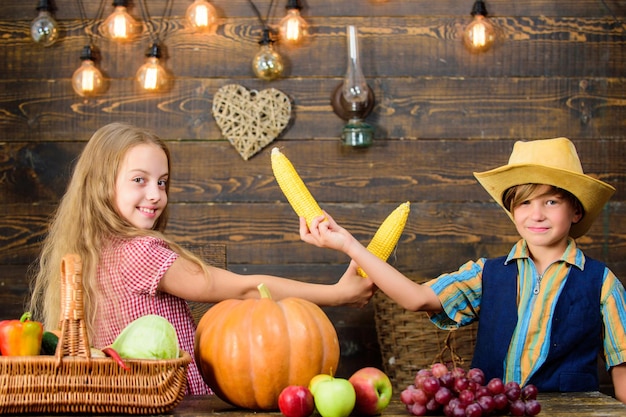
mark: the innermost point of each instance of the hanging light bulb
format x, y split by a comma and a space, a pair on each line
480, 34
87, 80
44, 29
120, 26
293, 28
267, 63
202, 16
151, 75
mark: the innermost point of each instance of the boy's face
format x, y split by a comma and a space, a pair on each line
140, 195
545, 218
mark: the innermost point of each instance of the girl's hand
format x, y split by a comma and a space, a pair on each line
357, 290
324, 232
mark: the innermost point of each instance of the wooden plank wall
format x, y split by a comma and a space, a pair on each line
441, 113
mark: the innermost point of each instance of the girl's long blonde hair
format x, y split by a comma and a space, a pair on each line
86, 217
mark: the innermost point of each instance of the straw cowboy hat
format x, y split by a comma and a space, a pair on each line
553, 162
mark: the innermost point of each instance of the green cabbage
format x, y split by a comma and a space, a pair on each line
149, 337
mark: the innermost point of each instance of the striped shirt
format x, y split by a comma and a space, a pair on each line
460, 295
128, 274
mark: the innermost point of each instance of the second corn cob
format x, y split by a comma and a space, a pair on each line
293, 187
386, 237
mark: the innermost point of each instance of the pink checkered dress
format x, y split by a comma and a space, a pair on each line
129, 272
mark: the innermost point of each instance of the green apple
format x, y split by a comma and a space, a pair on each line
316, 379
334, 397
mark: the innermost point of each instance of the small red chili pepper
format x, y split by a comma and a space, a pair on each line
20, 337
112, 353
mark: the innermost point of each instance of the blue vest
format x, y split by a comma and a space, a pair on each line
576, 338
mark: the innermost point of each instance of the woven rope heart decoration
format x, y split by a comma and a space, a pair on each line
250, 119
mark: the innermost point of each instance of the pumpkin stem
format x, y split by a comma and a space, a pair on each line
264, 291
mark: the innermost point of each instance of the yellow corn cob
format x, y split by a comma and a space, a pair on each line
293, 187
386, 237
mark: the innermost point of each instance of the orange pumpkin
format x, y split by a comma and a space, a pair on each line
248, 351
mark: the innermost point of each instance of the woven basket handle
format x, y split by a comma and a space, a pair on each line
74, 339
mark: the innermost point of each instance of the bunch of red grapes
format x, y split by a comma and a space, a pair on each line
458, 393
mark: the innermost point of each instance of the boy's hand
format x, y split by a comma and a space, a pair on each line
357, 290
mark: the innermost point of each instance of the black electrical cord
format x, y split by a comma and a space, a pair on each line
85, 20
258, 13
167, 12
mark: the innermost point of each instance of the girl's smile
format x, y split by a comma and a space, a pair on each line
151, 212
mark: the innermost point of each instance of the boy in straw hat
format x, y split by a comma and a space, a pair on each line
545, 310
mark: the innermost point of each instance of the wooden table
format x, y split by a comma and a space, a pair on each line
552, 405
591, 404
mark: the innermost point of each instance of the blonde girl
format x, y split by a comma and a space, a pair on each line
114, 215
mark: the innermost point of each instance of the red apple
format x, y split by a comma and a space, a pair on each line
296, 401
373, 390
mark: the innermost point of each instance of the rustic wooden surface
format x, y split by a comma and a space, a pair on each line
552, 405
441, 113
585, 404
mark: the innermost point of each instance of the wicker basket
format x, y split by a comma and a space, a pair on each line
72, 381
409, 341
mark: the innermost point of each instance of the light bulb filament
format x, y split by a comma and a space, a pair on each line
151, 80
202, 16
293, 30
151, 75
87, 81
479, 36
119, 27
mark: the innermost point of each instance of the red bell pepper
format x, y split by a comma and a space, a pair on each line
20, 337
